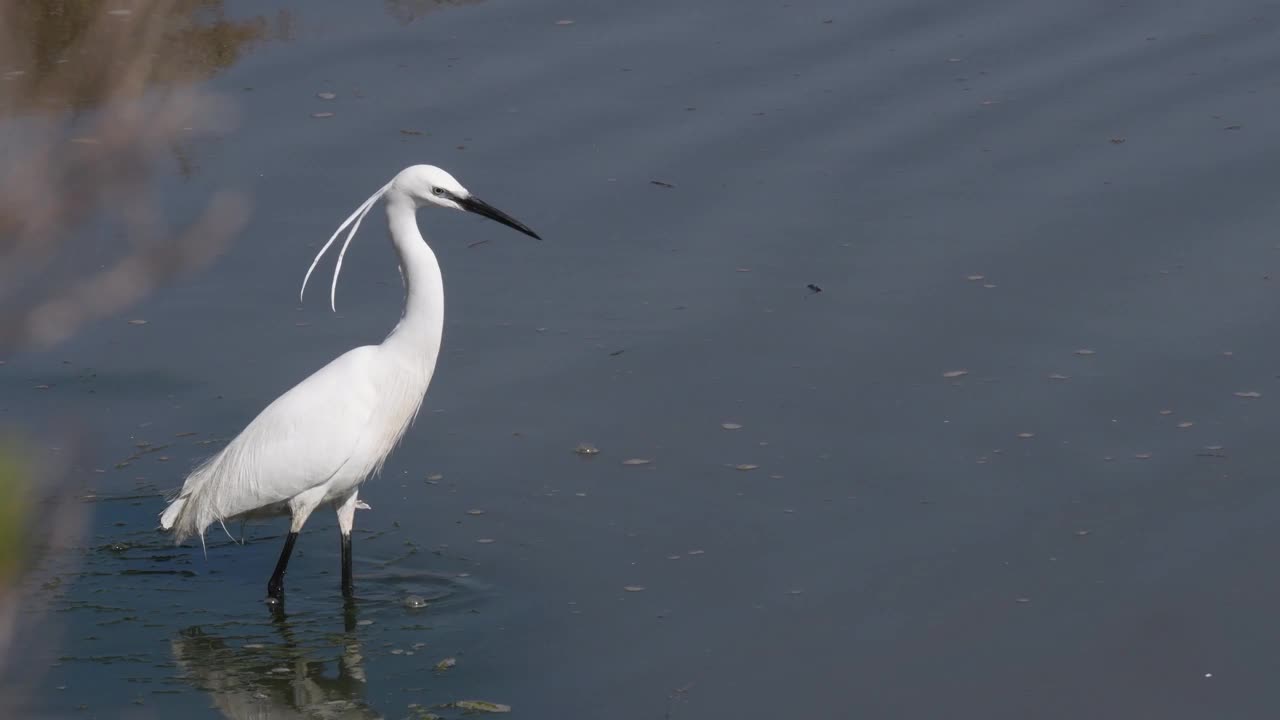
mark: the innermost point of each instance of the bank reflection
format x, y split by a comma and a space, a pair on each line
60, 55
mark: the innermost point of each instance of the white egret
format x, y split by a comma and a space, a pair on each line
319, 441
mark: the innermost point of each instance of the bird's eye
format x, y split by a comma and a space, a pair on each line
438, 192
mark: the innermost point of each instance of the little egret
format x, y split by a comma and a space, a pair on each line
319, 441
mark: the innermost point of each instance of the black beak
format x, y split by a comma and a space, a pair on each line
480, 207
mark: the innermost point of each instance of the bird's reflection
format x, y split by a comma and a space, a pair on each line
285, 679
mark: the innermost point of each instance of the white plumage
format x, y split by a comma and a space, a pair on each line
319, 441
298, 444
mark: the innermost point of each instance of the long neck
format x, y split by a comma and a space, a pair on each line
420, 329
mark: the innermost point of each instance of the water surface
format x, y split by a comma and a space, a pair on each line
988, 187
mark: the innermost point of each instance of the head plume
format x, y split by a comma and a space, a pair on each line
354, 220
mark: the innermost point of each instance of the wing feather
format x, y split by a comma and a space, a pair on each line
309, 436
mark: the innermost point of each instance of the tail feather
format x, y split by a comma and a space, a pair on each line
170, 514
189, 513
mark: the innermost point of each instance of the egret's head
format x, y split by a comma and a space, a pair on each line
423, 185
428, 185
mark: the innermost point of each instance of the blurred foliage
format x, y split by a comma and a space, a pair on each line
15, 500
93, 96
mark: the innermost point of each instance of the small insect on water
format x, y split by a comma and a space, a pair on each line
317, 443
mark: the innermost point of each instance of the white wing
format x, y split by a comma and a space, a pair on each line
310, 436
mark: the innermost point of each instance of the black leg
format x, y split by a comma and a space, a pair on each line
347, 587
275, 586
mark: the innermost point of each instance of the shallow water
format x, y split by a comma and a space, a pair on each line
988, 187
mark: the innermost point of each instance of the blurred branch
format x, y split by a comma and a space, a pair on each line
69, 175
93, 97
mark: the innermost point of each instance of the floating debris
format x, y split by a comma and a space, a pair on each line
482, 706
587, 449
1026, 435
137, 322
1185, 424
814, 288
415, 602
633, 588
745, 466
1215, 451
975, 278
485, 541
1059, 376
955, 373
446, 663
326, 95
1166, 412
475, 511
1252, 394
564, 22
1142, 455
1086, 351
731, 426
322, 115
636, 461
659, 183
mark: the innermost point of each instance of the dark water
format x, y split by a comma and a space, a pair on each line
980, 186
